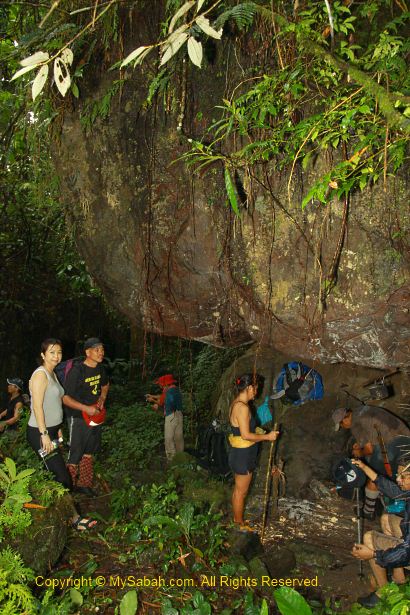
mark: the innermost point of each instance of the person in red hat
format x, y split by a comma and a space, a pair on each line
170, 402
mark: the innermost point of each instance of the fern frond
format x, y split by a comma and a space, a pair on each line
243, 15
12, 567
19, 599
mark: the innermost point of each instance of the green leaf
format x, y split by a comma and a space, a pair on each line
230, 190
39, 82
134, 55
20, 498
184, 9
129, 603
74, 89
25, 473
170, 49
35, 59
264, 608
163, 520
198, 599
11, 466
4, 478
186, 516
195, 51
203, 23
76, 597
306, 160
290, 602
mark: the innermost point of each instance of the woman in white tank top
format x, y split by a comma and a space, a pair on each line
44, 426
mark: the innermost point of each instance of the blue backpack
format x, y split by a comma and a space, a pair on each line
263, 413
298, 383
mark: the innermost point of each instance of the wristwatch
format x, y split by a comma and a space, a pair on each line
44, 433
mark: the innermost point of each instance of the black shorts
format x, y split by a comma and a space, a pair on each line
243, 460
84, 440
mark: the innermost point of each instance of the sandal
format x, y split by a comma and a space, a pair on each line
82, 524
247, 528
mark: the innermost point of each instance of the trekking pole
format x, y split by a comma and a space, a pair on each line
359, 529
267, 483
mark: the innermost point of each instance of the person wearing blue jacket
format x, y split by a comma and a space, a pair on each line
390, 548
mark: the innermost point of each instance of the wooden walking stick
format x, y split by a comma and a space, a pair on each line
267, 482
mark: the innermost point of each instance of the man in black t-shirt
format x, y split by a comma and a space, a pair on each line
86, 389
10, 416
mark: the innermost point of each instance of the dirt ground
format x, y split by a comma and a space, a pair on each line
321, 536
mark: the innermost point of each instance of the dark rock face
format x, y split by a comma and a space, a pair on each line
169, 253
46, 537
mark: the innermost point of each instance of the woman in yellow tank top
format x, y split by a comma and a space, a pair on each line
244, 443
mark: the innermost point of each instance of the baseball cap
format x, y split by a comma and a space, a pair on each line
345, 473
92, 342
17, 382
165, 380
338, 415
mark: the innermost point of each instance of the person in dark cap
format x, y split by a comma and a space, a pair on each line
170, 403
372, 426
86, 389
11, 415
391, 547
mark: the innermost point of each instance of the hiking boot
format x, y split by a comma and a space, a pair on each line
369, 601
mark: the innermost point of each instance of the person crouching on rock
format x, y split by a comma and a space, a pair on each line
390, 549
244, 443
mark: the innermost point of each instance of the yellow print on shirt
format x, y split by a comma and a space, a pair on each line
94, 381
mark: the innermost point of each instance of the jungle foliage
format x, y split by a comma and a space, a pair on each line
323, 78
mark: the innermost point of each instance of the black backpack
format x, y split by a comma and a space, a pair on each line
212, 451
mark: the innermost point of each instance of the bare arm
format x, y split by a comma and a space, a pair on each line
76, 405
38, 388
241, 413
368, 471
153, 398
103, 395
16, 415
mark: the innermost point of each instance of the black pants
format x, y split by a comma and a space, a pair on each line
54, 461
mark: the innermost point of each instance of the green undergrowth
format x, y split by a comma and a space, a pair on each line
132, 437
168, 522
20, 486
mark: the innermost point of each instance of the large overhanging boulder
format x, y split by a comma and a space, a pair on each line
327, 282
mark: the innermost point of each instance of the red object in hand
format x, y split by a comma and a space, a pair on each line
97, 419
